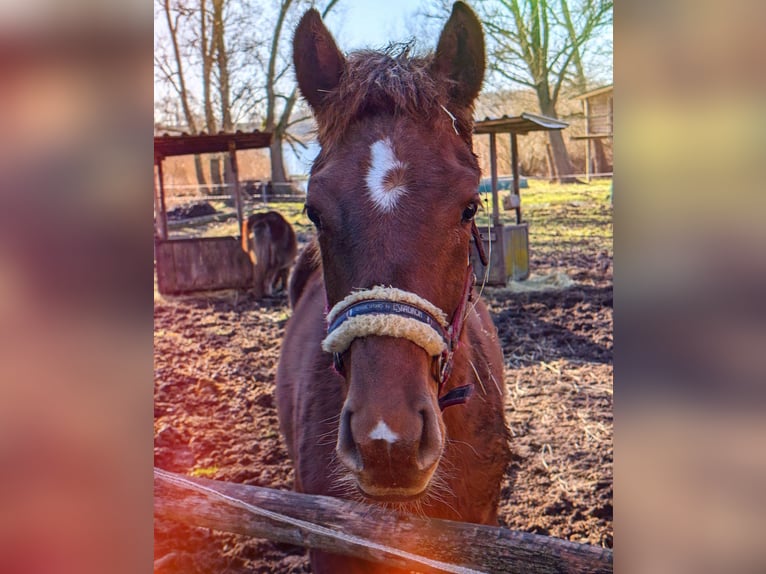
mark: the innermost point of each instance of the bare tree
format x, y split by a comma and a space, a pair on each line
208, 47
174, 73
243, 65
222, 59
224, 85
580, 81
271, 123
214, 54
537, 43
279, 122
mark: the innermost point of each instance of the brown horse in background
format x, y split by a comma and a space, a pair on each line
269, 240
390, 383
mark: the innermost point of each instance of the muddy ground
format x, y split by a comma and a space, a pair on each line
214, 415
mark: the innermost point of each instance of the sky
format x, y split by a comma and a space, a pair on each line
371, 23
363, 24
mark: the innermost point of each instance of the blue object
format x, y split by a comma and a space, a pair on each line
503, 183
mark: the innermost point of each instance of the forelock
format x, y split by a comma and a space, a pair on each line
380, 82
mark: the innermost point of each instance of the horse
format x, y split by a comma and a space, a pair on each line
269, 240
390, 383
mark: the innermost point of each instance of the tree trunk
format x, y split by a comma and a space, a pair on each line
182, 91
215, 173
222, 59
224, 89
277, 154
580, 80
564, 169
207, 49
549, 162
278, 173
200, 173
279, 127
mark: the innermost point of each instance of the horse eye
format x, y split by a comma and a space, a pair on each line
469, 212
313, 215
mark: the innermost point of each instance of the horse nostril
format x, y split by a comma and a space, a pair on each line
430, 447
347, 450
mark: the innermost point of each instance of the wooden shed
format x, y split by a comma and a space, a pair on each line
204, 263
507, 245
598, 110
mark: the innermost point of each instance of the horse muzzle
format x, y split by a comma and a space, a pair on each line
393, 457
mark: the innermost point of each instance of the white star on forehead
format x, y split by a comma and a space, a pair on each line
382, 177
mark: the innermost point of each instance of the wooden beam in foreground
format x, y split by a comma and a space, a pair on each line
369, 532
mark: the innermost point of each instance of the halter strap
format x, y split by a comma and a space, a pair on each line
391, 308
389, 294
397, 313
386, 311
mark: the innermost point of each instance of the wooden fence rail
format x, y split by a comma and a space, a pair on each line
372, 533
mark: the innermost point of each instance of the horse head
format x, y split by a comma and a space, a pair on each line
392, 195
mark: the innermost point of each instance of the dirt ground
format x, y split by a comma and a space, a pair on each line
214, 415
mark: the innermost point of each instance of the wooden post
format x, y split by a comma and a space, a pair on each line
235, 175
493, 173
368, 532
163, 207
157, 204
610, 119
515, 172
586, 105
497, 225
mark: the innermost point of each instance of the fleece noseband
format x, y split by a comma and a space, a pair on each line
397, 313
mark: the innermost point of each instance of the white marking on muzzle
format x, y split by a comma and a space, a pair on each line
382, 432
383, 162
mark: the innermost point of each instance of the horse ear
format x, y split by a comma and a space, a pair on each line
460, 54
318, 61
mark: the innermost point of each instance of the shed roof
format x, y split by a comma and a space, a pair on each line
596, 92
167, 145
522, 124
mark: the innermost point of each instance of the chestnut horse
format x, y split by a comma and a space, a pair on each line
390, 382
269, 240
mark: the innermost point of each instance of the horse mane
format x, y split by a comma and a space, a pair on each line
308, 263
390, 81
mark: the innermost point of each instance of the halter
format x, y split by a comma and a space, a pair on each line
397, 313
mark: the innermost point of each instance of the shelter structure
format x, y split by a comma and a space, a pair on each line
201, 263
598, 109
508, 245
